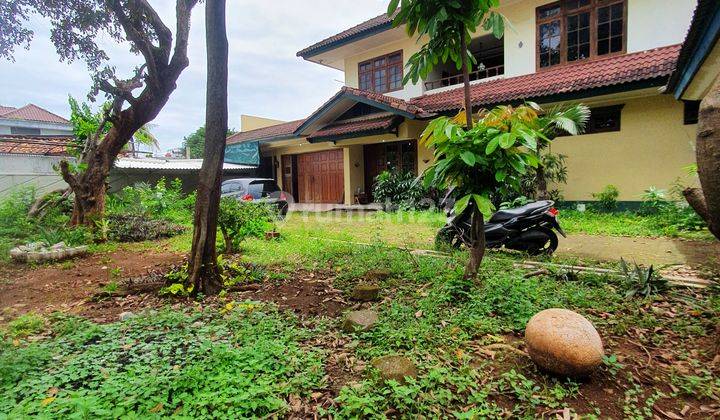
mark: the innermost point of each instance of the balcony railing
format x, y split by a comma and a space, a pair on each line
458, 78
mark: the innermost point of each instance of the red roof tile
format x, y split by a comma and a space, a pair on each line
392, 102
274, 131
34, 145
369, 124
357, 30
617, 70
4, 109
32, 112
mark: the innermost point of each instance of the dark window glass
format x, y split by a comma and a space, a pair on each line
691, 111
381, 74
550, 43
229, 187
578, 36
259, 189
605, 119
610, 28
549, 11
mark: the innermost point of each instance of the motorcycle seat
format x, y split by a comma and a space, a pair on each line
505, 215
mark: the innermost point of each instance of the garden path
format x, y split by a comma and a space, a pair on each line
657, 251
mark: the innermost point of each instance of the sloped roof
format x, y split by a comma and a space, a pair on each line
31, 112
357, 126
274, 132
34, 145
172, 164
694, 48
367, 28
616, 70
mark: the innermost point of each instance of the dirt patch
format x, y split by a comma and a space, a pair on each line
67, 286
306, 294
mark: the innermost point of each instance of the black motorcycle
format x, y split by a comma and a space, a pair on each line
528, 228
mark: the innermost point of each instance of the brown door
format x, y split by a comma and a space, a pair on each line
320, 177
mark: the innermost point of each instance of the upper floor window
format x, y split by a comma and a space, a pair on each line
575, 30
381, 74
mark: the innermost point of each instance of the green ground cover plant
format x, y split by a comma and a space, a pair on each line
239, 363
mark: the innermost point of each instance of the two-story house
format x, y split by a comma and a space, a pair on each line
613, 55
31, 120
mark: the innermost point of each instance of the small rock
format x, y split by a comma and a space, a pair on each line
59, 245
126, 315
377, 275
563, 342
359, 321
395, 368
365, 292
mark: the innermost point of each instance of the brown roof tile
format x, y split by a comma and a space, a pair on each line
33, 112
34, 145
274, 131
368, 124
366, 27
616, 70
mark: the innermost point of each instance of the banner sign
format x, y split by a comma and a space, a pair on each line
243, 153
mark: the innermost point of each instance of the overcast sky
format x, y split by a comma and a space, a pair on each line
266, 78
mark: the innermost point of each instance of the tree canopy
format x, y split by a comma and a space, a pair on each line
196, 142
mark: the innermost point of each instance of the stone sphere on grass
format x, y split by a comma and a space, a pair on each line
563, 342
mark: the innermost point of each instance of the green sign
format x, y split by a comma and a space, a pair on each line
243, 153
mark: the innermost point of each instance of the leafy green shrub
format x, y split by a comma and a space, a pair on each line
399, 190
653, 201
162, 201
133, 228
607, 198
238, 220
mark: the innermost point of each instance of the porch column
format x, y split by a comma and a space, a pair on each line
353, 171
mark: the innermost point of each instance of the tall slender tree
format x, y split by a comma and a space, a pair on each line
448, 27
204, 272
75, 27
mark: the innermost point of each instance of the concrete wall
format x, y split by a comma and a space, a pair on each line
251, 122
19, 171
651, 149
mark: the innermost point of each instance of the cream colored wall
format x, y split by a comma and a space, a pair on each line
408, 47
651, 149
649, 26
706, 77
251, 122
353, 171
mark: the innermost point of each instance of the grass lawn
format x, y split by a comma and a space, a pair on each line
276, 348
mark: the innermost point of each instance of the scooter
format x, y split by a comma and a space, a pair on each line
530, 228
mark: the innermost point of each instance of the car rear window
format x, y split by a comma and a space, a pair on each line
230, 187
259, 189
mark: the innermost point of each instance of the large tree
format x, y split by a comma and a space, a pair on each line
204, 272
195, 142
706, 200
76, 25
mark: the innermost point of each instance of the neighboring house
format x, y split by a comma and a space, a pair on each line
31, 120
614, 55
31, 161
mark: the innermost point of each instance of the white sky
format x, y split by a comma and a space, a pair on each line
266, 78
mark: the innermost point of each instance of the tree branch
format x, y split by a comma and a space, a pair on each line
141, 41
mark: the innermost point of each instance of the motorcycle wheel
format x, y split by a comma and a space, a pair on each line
544, 244
447, 237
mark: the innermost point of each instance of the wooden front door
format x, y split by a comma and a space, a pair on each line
320, 177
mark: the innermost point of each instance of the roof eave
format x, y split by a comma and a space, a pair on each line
313, 51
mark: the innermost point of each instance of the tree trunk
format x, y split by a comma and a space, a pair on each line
707, 202
466, 79
541, 192
477, 243
204, 273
